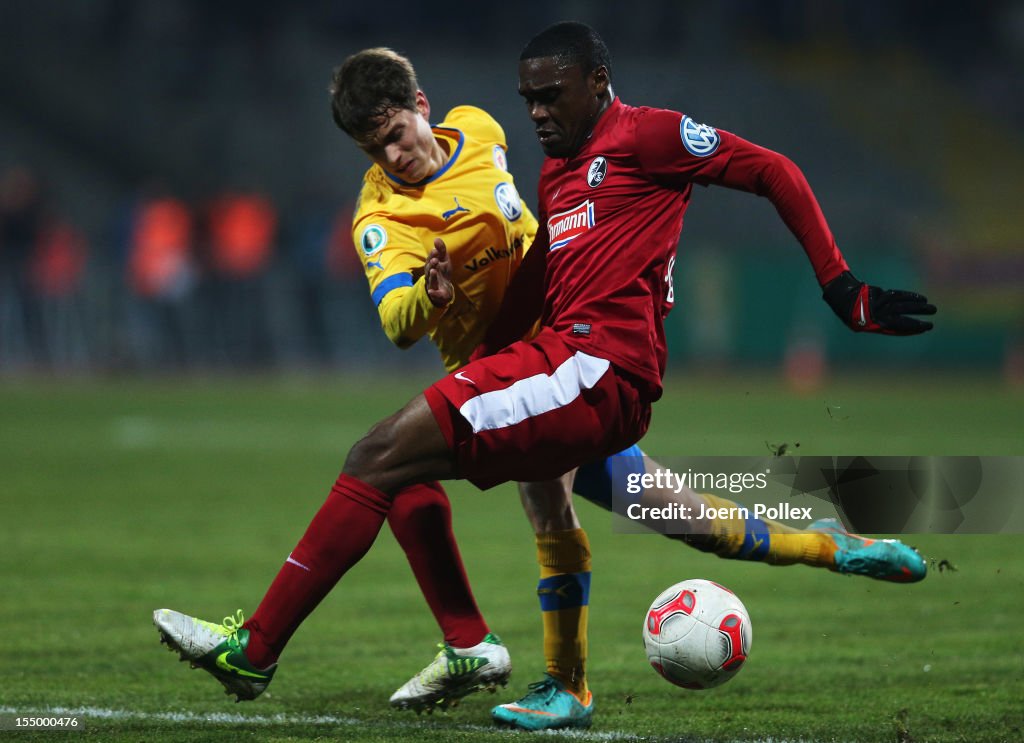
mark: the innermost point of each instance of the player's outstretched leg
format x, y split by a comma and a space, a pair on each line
884, 559
455, 673
406, 448
219, 649
824, 544
547, 706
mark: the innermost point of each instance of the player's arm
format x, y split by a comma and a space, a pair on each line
861, 307
395, 269
408, 312
673, 147
523, 302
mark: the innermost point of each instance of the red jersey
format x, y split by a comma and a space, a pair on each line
611, 217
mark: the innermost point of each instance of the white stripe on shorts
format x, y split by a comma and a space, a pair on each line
534, 395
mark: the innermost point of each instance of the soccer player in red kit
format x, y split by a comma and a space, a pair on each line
612, 195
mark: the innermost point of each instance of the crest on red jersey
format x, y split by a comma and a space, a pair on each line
597, 171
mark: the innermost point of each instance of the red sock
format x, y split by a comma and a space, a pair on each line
336, 539
421, 519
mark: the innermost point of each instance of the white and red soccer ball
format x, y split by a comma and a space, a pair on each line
697, 634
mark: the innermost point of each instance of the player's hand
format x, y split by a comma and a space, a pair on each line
869, 309
438, 273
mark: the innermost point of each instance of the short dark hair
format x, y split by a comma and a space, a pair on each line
368, 87
574, 42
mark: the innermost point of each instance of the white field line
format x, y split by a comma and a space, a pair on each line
233, 718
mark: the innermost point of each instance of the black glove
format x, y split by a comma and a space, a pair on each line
869, 309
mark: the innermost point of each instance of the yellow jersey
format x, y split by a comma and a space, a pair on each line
472, 204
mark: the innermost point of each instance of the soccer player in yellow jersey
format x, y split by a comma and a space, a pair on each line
471, 203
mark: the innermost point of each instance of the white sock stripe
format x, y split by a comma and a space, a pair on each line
534, 395
293, 561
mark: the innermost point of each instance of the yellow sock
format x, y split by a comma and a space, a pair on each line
764, 540
564, 592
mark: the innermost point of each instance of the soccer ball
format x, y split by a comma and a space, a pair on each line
697, 634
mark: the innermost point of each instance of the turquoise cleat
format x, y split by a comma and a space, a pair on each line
884, 559
547, 706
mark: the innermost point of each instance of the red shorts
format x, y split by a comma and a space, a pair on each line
536, 410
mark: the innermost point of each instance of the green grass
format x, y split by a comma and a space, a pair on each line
120, 497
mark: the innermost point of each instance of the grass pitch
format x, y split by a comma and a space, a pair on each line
120, 498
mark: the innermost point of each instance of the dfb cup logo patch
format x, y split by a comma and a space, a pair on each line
499, 157
373, 239
508, 201
700, 140
597, 171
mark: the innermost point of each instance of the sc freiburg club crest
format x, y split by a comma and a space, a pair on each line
597, 171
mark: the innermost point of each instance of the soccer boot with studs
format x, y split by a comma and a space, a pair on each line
455, 673
883, 559
219, 649
548, 705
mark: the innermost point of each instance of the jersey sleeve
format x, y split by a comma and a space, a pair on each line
393, 261
675, 149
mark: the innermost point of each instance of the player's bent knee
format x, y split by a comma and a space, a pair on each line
402, 449
371, 454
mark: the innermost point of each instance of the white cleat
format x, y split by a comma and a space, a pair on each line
455, 673
217, 649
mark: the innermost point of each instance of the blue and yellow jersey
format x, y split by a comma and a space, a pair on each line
472, 204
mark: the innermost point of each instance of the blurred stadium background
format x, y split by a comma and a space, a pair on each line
174, 195
174, 212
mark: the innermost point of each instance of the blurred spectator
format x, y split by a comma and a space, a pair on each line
308, 251
58, 269
352, 318
161, 277
343, 262
241, 230
333, 310
22, 336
